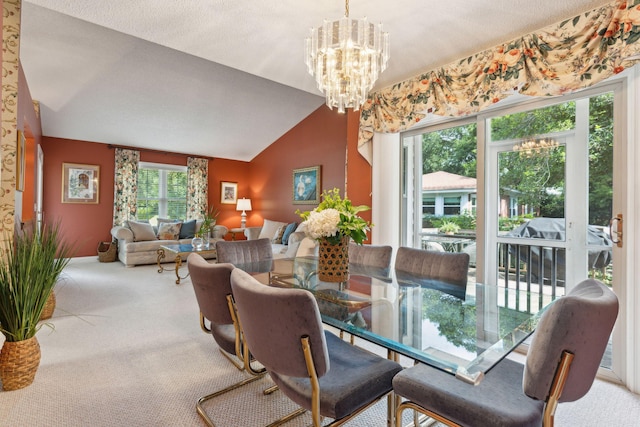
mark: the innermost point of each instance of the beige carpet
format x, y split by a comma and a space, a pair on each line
127, 350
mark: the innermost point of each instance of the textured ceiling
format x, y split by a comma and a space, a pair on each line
227, 78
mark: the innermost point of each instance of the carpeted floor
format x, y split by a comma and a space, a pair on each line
126, 349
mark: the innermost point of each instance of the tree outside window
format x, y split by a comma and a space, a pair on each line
162, 191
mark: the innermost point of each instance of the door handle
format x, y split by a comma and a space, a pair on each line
616, 236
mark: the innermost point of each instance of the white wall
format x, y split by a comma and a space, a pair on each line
630, 295
386, 181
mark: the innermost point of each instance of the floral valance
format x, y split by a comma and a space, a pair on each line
561, 58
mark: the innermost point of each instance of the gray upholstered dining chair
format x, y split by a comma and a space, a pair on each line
283, 330
446, 271
370, 257
212, 286
253, 256
561, 365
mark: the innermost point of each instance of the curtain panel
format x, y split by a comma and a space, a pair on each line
197, 187
561, 58
125, 195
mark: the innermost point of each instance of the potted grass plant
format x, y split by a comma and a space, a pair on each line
30, 266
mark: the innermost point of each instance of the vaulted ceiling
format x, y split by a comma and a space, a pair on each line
225, 78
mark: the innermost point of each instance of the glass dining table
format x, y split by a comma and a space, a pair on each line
462, 331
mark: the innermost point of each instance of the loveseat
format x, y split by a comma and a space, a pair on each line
287, 239
138, 242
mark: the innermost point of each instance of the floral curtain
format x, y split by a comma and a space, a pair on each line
197, 187
558, 59
125, 195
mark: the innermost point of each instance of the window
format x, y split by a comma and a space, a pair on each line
452, 205
162, 191
439, 178
428, 205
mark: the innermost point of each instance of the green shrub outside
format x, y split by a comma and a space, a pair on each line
467, 221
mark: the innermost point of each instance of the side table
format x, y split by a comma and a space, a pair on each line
233, 232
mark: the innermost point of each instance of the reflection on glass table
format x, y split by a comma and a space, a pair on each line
463, 332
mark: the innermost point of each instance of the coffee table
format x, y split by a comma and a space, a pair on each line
180, 251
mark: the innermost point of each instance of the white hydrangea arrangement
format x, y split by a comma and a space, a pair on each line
335, 218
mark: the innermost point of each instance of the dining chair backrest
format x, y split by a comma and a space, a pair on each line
273, 320
375, 256
448, 267
257, 253
580, 323
212, 284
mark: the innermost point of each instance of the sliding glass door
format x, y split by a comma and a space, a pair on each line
531, 190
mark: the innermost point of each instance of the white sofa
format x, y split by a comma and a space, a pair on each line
275, 231
143, 249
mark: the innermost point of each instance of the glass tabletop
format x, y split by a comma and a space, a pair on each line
186, 248
461, 331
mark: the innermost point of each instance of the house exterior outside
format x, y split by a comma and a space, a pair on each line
445, 193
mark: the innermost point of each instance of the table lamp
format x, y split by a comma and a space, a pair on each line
243, 205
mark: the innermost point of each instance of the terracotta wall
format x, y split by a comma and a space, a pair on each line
88, 225
320, 139
83, 225
29, 123
359, 171
228, 171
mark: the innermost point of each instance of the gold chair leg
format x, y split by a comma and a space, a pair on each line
208, 397
203, 326
410, 405
270, 390
288, 417
240, 344
559, 380
234, 361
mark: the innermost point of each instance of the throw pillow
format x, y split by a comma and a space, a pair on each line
277, 238
169, 220
169, 230
142, 231
287, 232
188, 229
269, 229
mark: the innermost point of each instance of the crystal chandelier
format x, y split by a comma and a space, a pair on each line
345, 57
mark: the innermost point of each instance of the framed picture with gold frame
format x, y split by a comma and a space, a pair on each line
21, 161
228, 192
80, 183
306, 186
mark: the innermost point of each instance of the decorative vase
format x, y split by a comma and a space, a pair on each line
333, 261
19, 362
49, 307
196, 242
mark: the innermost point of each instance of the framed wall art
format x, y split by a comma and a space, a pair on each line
306, 185
228, 192
21, 161
80, 183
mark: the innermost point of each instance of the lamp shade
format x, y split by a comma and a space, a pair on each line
243, 204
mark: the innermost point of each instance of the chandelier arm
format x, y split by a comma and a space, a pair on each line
346, 8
